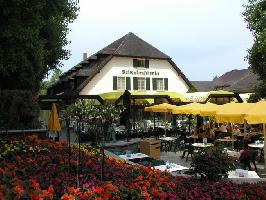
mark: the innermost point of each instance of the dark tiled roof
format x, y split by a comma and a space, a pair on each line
203, 86
241, 81
245, 84
133, 46
129, 45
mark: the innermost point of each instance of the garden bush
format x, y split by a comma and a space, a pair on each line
212, 163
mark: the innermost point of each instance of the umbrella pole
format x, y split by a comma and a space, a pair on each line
245, 126
69, 149
189, 124
154, 121
264, 133
165, 124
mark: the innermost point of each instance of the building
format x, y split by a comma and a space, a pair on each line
128, 63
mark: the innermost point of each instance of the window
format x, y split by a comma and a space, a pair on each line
121, 83
142, 63
159, 84
141, 84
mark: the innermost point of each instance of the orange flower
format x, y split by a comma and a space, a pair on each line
74, 191
111, 187
19, 190
68, 197
99, 190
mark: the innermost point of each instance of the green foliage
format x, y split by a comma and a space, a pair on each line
255, 16
215, 78
18, 109
32, 40
98, 118
212, 162
192, 89
46, 84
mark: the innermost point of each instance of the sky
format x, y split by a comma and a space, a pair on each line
204, 38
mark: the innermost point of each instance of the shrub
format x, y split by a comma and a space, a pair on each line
212, 163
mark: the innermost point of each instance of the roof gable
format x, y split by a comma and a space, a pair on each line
133, 46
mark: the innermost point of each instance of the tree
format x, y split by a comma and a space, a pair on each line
215, 78
255, 16
46, 84
32, 40
32, 43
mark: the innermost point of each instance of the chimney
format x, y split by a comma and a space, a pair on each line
84, 56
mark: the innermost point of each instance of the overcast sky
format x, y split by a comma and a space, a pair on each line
203, 37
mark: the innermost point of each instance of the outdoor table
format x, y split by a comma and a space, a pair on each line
231, 140
259, 146
250, 174
202, 145
163, 127
133, 156
172, 167
233, 153
194, 137
169, 141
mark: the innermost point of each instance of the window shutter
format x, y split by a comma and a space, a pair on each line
147, 83
154, 86
165, 83
135, 63
146, 63
135, 83
128, 84
114, 82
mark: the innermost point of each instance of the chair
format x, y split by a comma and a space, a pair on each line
179, 144
190, 151
165, 146
239, 144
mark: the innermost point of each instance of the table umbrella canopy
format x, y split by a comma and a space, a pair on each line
54, 124
163, 108
233, 112
186, 109
257, 114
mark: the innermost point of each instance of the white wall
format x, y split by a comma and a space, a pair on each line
103, 81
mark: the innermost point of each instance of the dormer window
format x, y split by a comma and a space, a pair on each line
141, 63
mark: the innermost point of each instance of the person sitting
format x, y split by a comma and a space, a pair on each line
247, 156
236, 131
210, 134
229, 128
223, 128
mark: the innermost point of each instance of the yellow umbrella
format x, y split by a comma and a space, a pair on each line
164, 108
186, 109
210, 109
54, 124
257, 115
233, 112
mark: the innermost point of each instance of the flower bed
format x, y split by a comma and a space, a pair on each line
39, 170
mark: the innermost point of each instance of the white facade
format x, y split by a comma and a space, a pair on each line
123, 67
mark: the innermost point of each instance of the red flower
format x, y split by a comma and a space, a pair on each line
19, 190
